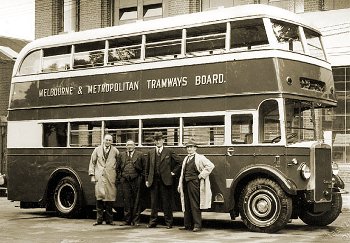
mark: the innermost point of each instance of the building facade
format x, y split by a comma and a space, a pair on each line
61, 16
9, 49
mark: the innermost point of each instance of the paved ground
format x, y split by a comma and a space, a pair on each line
36, 225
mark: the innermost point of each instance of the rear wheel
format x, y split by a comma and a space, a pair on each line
68, 197
323, 218
264, 206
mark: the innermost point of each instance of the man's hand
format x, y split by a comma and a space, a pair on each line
93, 179
172, 173
147, 184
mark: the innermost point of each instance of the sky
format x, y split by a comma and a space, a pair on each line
17, 18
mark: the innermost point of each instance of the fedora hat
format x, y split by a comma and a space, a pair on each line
158, 135
192, 142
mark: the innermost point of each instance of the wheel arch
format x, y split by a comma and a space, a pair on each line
54, 178
253, 172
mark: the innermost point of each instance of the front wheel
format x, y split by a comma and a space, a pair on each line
264, 206
68, 197
323, 218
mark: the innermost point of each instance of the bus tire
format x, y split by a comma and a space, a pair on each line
68, 197
264, 206
323, 218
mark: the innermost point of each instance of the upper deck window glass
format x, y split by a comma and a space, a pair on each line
89, 54
56, 59
248, 34
206, 38
206, 130
314, 43
287, 36
170, 127
123, 130
124, 50
164, 44
31, 64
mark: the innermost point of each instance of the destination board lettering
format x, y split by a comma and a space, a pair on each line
166, 82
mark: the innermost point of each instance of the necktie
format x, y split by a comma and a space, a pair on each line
158, 151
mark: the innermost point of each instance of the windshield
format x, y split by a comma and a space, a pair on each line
300, 121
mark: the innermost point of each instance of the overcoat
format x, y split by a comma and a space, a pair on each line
104, 170
205, 167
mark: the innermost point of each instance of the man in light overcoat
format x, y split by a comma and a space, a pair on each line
194, 187
102, 171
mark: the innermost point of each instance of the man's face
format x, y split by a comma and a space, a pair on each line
159, 142
130, 146
108, 140
191, 149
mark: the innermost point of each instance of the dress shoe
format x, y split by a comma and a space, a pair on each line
136, 224
110, 223
185, 228
169, 227
196, 229
96, 223
151, 225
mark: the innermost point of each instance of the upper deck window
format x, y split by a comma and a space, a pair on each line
248, 34
314, 43
124, 50
164, 44
31, 64
287, 36
56, 59
206, 38
89, 54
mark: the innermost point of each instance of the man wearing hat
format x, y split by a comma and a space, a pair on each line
162, 165
194, 187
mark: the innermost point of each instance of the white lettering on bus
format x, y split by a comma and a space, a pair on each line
166, 82
58, 91
216, 78
114, 87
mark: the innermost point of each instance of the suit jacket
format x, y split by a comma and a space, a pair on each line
169, 162
137, 159
104, 170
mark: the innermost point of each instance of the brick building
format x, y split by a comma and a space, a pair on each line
9, 48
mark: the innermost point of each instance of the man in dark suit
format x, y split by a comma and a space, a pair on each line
162, 165
130, 167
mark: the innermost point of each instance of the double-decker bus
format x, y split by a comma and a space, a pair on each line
248, 82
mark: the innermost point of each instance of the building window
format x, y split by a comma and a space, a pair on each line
69, 14
128, 14
152, 11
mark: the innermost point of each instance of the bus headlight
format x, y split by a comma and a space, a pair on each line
305, 171
335, 168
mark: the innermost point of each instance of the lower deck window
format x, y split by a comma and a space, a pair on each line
169, 127
206, 130
85, 134
55, 134
123, 130
242, 129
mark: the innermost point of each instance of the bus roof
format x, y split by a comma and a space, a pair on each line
180, 21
